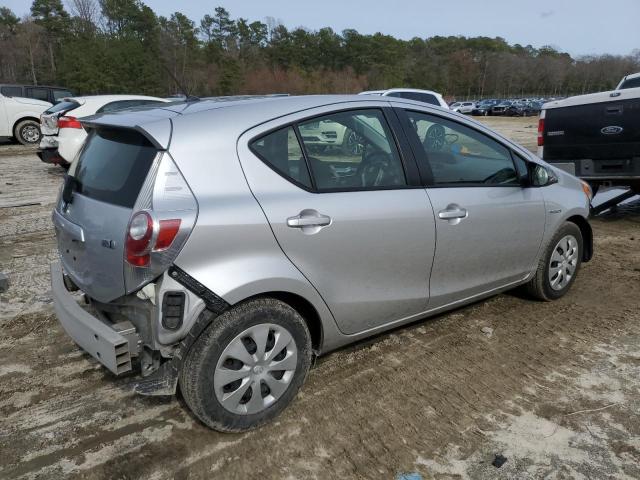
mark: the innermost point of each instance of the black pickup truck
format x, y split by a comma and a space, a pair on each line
595, 137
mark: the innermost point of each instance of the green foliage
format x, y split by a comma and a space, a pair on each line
124, 47
8, 19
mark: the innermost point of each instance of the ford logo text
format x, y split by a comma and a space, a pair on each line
611, 130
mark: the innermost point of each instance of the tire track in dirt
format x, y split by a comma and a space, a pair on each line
436, 396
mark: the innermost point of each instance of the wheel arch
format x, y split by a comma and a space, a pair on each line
22, 119
587, 235
305, 308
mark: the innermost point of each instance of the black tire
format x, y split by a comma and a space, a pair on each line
27, 132
539, 286
197, 379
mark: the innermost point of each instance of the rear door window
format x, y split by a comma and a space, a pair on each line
281, 151
113, 166
11, 91
38, 93
352, 150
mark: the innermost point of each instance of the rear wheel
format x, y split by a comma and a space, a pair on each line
27, 132
247, 366
559, 265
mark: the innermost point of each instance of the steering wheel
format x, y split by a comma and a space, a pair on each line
435, 138
374, 169
501, 176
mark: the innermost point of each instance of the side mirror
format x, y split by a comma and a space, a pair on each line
541, 176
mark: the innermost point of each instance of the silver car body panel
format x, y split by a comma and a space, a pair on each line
82, 227
235, 252
371, 265
505, 224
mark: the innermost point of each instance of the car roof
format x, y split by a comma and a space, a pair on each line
415, 90
229, 117
112, 98
632, 75
30, 85
244, 112
392, 90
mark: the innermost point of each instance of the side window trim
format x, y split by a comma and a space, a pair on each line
422, 158
305, 157
425, 173
407, 155
266, 162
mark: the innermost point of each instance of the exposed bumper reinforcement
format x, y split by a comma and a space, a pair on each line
164, 381
51, 155
101, 341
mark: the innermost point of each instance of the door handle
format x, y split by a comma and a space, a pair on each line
302, 220
453, 213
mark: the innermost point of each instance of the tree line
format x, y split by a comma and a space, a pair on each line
122, 46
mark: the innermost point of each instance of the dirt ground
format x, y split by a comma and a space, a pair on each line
554, 387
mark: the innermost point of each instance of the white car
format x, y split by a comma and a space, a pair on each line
19, 118
462, 107
62, 132
426, 96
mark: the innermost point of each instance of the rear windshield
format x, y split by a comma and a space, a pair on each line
64, 106
113, 166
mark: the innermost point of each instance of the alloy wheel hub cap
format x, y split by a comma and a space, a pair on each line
563, 262
255, 369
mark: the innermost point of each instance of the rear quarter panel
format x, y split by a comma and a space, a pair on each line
231, 249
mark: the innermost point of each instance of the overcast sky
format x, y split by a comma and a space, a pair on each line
580, 27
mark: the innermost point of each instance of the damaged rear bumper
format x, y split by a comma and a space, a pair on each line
113, 345
51, 155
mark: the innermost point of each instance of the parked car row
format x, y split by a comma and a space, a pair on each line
498, 107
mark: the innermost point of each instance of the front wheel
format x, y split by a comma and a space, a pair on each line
27, 132
247, 366
559, 265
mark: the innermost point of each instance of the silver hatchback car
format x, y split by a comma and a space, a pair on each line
214, 250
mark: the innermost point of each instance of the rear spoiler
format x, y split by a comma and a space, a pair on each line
156, 129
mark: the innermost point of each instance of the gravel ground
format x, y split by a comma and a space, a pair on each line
554, 387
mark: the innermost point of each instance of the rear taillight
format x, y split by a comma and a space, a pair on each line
141, 241
541, 132
166, 233
138, 242
69, 122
